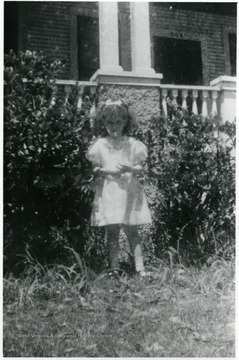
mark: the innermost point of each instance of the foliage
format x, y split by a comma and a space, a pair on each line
47, 179
48, 182
191, 172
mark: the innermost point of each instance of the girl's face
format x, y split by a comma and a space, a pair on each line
114, 126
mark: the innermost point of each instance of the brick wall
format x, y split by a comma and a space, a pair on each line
23, 26
205, 27
47, 29
47, 26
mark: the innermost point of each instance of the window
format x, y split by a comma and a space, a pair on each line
229, 42
88, 46
180, 61
10, 26
232, 51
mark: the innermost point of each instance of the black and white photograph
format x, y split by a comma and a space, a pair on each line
119, 179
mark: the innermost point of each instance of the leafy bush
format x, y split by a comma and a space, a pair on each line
46, 175
191, 176
48, 181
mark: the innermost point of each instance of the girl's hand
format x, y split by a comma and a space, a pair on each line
136, 169
105, 171
123, 168
97, 170
110, 171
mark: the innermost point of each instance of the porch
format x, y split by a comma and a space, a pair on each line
142, 87
217, 99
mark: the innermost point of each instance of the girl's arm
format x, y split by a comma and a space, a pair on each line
121, 169
97, 170
135, 169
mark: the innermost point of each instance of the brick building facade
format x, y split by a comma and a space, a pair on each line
188, 44
52, 27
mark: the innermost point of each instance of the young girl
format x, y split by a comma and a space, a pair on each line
119, 199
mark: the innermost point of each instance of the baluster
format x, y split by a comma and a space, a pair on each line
92, 91
92, 96
174, 94
214, 103
164, 102
222, 107
204, 103
92, 109
80, 93
67, 89
184, 99
195, 107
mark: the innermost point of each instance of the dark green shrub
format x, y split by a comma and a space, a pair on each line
47, 179
191, 181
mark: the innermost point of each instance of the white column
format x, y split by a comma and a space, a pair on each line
109, 39
140, 38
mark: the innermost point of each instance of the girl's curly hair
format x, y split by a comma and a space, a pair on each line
114, 109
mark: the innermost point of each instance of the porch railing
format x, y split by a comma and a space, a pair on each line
65, 87
204, 100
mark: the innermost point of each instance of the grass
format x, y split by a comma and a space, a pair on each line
63, 311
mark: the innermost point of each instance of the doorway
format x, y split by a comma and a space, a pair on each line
232, 50
88, 46
10, 26
179, 60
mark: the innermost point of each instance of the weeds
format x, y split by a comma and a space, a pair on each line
70, 311
39, 282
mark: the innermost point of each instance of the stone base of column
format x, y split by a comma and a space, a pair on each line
110, 71
111, 68
139, 77
224, 81
144, 71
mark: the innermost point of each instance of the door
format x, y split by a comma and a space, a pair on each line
180, 61
88, 46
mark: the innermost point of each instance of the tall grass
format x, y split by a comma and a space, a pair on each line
55, 311
44, 282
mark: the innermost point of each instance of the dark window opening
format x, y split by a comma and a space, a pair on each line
180, 61
10, 26
222, 8
232, 50
88, 46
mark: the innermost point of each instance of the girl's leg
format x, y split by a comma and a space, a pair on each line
132, 234
113, 245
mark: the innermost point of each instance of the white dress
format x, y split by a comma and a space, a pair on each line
118, 199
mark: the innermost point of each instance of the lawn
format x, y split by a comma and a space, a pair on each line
73, 312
